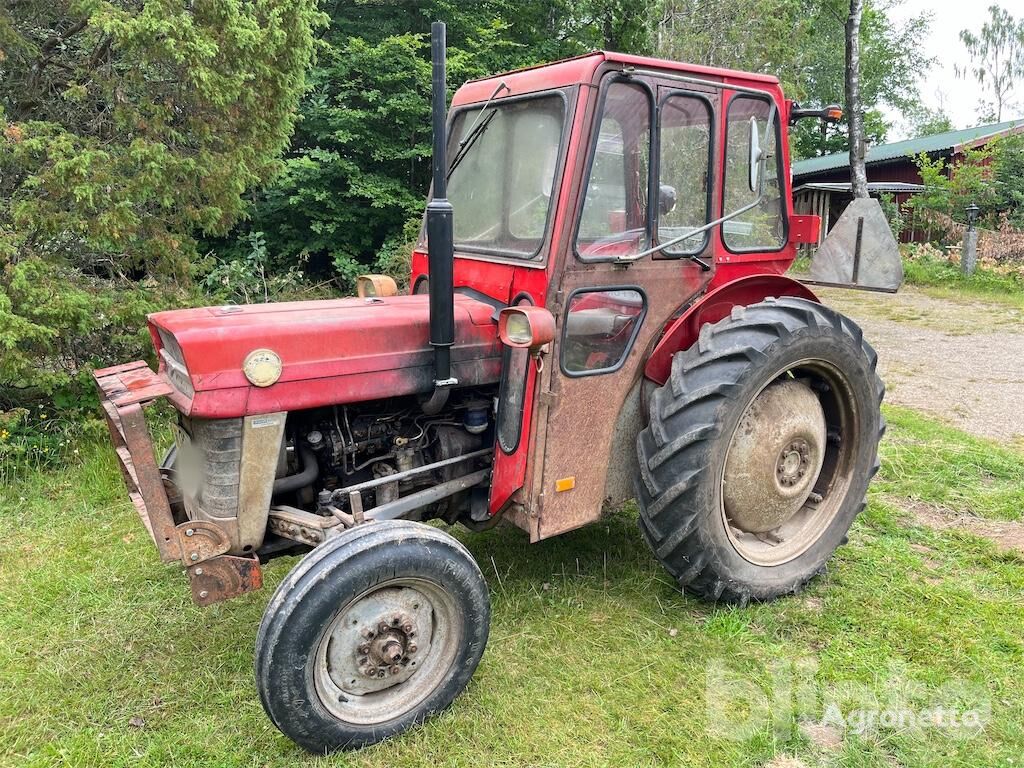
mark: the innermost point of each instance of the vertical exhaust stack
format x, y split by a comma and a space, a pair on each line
440, 244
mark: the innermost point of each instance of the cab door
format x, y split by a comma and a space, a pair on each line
648, 182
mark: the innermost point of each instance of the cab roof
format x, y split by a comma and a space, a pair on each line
581, 69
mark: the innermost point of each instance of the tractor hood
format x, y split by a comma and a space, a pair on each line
332, 352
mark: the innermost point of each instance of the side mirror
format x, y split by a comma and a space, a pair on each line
755, 155
667, 198
526, 327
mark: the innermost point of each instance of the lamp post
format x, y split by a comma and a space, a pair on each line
969, 255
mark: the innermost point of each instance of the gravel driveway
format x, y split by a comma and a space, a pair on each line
961, 360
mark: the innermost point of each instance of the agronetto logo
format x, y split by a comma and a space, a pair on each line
743, 702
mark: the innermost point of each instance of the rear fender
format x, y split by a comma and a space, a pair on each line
712, 307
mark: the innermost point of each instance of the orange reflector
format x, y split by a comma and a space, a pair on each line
565, 484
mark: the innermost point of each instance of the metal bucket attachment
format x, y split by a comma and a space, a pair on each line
859, 252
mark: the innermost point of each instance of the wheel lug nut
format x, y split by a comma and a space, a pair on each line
407, 628
364, 648
395, 670
411, 648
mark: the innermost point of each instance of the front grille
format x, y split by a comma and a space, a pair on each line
209, 465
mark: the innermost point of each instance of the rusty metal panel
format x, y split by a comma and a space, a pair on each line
199, 541
130, 383
134, 449
224, 577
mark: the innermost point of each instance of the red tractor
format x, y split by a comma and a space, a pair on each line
598, 312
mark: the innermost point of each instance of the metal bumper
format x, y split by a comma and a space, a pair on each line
198, 545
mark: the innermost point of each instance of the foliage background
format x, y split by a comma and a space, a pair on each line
129, 131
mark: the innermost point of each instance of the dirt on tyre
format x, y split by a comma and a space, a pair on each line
759, 450
372, 632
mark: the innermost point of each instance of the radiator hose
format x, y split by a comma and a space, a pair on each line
310, 472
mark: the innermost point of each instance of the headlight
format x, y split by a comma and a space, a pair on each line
526, 326
262, 367
517, 329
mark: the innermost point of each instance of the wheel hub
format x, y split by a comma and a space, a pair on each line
389, 648
794, 462
774, 458
379, 639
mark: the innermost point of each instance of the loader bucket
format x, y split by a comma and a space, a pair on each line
860, 251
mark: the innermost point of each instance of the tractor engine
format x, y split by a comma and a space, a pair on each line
352, 444
332, 464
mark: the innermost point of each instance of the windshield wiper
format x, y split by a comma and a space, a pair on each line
476, 131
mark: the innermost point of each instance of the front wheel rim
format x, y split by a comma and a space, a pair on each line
825, 496
386, 651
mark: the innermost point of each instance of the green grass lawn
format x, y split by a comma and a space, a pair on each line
595, 658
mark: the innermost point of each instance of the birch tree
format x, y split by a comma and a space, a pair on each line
997, 59
858, 173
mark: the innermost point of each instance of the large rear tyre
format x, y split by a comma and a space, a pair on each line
372, 632
759, 450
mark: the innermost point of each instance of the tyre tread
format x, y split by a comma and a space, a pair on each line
684, 417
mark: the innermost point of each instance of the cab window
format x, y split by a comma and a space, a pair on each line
504, 160
763, 227
684, 158
614, 216
599, 329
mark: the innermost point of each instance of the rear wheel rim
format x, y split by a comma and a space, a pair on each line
826, 487
386, 651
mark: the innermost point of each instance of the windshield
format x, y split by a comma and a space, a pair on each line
501, 188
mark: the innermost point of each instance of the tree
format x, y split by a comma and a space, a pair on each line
997, 59
127, 128
1008, 177
858, 173
891, 64
752, 35
358, 168
803, 43
928, 122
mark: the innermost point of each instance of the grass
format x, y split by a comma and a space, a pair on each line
595, 658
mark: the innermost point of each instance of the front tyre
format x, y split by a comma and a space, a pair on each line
759, 450
372, 632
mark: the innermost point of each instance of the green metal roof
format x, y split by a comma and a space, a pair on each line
909, 148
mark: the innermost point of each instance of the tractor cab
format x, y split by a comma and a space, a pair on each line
610, 190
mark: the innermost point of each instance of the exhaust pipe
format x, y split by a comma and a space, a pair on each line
440, 242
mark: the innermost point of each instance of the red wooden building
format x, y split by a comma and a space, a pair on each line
821, 185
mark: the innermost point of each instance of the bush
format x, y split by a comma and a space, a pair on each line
126, 130
925, 264
56, 324
249, 278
